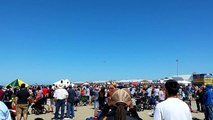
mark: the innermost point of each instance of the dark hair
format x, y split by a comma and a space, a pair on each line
22, 85
172, 87
120, 113
8, 87
102, 92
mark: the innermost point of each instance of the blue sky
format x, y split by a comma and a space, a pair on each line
42, 41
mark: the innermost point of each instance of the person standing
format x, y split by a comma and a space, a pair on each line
60, 95
87, 94
101, 98
161, 95
208, 102
172, 108
8, 94
96, 96
70, 102
4, 112
22, 97
50, 99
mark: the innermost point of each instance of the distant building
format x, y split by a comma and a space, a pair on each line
188, 78
182, 79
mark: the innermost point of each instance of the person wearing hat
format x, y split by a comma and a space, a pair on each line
172, 108
119, 102
60, 96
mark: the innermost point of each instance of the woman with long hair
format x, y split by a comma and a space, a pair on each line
119, 103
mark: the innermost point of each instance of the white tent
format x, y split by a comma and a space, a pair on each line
85, 83
65, 83
184, 82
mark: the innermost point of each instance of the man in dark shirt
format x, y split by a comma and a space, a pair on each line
22, 97
8, 94
70, 102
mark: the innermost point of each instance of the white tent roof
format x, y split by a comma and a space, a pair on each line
184, 82
65, 82
183, 77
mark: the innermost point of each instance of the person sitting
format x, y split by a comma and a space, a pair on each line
119, 102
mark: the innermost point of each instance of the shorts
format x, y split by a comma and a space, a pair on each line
22, 108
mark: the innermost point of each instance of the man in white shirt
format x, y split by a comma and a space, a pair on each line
172, 108
60, 95
4, 112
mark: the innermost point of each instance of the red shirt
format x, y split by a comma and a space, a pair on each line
45, 91
1, 94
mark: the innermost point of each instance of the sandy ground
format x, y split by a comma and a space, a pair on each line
84, 112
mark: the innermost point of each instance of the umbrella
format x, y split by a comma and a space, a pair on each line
17, 83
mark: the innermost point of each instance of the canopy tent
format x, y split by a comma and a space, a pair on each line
17, 83
184, 82
65, 83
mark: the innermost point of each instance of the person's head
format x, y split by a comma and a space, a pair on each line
172, 88
38, 88
120, 99
111, 88
70, 87
22, 85
38, 119
8, 87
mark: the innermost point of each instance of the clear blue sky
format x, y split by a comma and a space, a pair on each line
42, 41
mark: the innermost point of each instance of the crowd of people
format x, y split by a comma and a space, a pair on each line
169, 101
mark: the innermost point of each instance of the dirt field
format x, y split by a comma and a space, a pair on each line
84, 112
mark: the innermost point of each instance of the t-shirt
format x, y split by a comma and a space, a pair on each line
45, 91
156, 91
60, 94
22, 95
50, 93
161, 95
87, 92
71, 96
149, 91
172, 109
